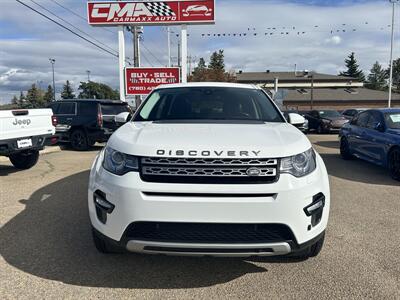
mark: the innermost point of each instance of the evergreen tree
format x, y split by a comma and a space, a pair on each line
217, 66
396, 75
200, 72
95, 90
68, 92
22, 97
34, 96
377, 78
48, 96
353, 68
15, 101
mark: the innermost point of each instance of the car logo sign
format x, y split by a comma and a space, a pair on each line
253, 172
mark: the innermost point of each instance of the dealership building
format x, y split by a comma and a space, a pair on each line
299, 90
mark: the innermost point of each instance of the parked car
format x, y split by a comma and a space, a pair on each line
302, 127
84, 122
325, 121
24, 132
352, 112
374, 136
209, 169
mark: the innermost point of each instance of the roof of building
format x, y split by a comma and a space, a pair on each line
208, 84
260, 77
339, 94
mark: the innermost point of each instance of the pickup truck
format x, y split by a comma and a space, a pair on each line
23, 133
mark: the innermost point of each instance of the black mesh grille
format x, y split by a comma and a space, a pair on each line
208, 170
208, 232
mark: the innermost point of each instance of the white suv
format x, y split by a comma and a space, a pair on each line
209, 169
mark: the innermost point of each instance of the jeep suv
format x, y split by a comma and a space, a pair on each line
84, 122
209, 169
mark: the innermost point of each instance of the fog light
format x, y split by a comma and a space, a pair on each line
103, 207
315, 209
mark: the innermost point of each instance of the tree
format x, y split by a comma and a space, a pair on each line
95, 90
217, 66
48, 96
353, 68
15, 100
396, 75
68, 92
35, 97
377, 78
200, 72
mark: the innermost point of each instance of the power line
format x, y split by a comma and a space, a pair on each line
72, 25
79, 16
151, 53
66, 28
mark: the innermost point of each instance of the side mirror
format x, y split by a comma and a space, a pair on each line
379, 127
296, 119
122, 118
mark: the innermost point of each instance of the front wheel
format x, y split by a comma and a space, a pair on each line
25, 160
394, 163
104, 246
345, 149
320, 129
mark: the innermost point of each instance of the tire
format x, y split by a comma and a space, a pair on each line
320, 130
317, 247
394, 163
345, 149
79, 140
312, 251
104, 246
25, 160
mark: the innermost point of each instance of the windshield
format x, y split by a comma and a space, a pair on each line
113, 109
329, 114
392, 120
208, 103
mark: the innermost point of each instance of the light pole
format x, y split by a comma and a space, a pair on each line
53, 61
88, 75
394, 2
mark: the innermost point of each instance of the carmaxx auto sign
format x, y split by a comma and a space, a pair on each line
142, 81
151, 12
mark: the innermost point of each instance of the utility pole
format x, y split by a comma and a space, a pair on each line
312, 91
53, 61
169, 46
121, 62
184, 52
394, 2
136, 55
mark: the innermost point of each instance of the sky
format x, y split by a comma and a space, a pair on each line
328, 32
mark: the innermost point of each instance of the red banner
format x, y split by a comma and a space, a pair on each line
142, 81
165, 12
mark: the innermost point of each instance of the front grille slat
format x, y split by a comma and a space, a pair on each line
208, 232
208, 170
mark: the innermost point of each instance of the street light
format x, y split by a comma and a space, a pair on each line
53, 61
394, 2
88, 75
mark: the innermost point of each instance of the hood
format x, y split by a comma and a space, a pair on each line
394, 131
266, 140
336, 119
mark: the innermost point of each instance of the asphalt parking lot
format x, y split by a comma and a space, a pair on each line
46, 248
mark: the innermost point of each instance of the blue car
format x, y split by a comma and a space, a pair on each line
374, 136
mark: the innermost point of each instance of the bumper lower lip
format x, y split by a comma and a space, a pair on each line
220, 250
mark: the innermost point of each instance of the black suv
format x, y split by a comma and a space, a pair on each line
84, 122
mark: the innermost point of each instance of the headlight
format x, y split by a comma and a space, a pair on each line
119, 163
299, 165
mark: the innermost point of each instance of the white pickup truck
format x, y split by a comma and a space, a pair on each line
23, 133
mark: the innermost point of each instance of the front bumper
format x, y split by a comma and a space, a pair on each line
282, 202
